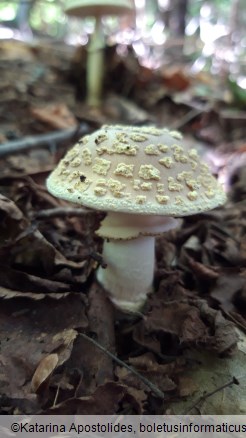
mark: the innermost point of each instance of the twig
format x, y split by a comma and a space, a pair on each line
56, 396
98, 258
153, 388
204, 397
46, 140
61, 212
187, 118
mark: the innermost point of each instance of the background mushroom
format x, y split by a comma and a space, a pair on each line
95, 65
143, 177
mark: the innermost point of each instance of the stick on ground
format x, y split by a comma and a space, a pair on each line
153, 387
44, 140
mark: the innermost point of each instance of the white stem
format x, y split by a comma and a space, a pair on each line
95, 65
129, 252
130, 270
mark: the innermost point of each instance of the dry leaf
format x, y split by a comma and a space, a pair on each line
57, 116
44, 370
174, 78
104, 401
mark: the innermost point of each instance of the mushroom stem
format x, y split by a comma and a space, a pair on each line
129, 253
130, 270
95, 66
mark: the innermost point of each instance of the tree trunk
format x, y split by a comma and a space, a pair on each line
22, 16
178, 18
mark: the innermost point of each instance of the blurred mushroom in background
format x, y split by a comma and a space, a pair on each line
95, 51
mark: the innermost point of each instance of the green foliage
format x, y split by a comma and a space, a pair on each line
8, 10
43, 16
238, 93
47, 17
221, 7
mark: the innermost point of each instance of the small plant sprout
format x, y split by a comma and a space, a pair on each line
95, 55
144, 178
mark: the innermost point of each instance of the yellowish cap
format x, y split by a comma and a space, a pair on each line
137, 170
85, 8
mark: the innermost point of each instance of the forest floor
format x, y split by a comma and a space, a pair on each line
64, 348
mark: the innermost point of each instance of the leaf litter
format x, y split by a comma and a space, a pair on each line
53, 314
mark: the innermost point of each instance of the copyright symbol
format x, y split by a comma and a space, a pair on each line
15, 427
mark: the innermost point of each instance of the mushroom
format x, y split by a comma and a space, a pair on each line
144, 178
95, 62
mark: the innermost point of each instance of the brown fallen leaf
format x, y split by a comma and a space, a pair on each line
12, 220
43, 371
10, 293
13, 279
16, 50
174, 78
227, 288
105, 400
209, 274
225, 338
203, 276
146, 365
186, 386
180, 321
31, 331
62, 343
97, 367
33, 252
58, 116
101, 324
136, 400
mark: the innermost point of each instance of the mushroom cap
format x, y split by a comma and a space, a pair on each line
137, 170
97, 8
